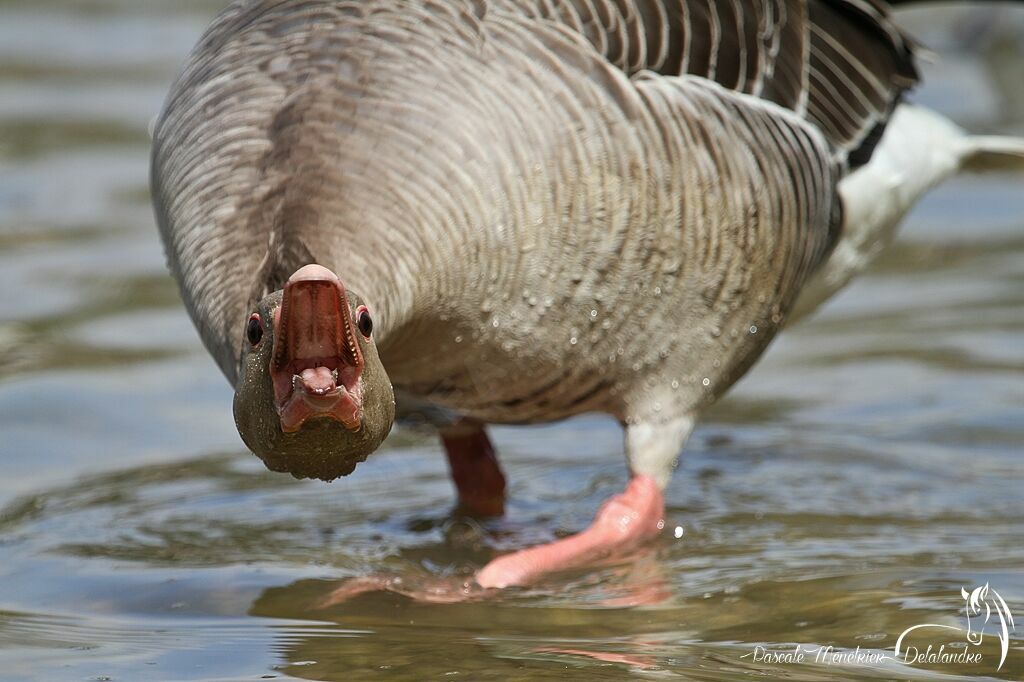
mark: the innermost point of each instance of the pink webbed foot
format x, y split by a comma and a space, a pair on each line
637, 662
623, 522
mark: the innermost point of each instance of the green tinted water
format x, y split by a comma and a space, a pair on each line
846, 489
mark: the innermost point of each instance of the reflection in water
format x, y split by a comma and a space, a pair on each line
416, 641
866, 470
776, 548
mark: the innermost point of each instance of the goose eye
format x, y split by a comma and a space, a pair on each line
254, 329
364, 321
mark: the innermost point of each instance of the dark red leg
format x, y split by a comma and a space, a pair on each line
474, 469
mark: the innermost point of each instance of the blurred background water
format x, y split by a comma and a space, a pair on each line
868, 467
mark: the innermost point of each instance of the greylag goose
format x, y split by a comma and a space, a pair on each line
515, 211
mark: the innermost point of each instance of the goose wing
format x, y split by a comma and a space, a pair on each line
218, 179
841, 64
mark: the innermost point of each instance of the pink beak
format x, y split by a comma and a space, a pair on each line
316, 364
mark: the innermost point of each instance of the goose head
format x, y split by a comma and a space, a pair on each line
312, 397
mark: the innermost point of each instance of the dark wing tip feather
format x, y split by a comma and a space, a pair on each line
868, 64
842, 64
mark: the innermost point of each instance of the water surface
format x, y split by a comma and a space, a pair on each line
865, 470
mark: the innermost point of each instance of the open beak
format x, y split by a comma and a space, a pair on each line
316, 364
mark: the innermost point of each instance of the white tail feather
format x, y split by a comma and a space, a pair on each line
993, 153
919, 150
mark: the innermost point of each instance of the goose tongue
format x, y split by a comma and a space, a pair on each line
318, 380
316, 363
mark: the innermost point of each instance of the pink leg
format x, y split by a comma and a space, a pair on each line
622, 523
474, 469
